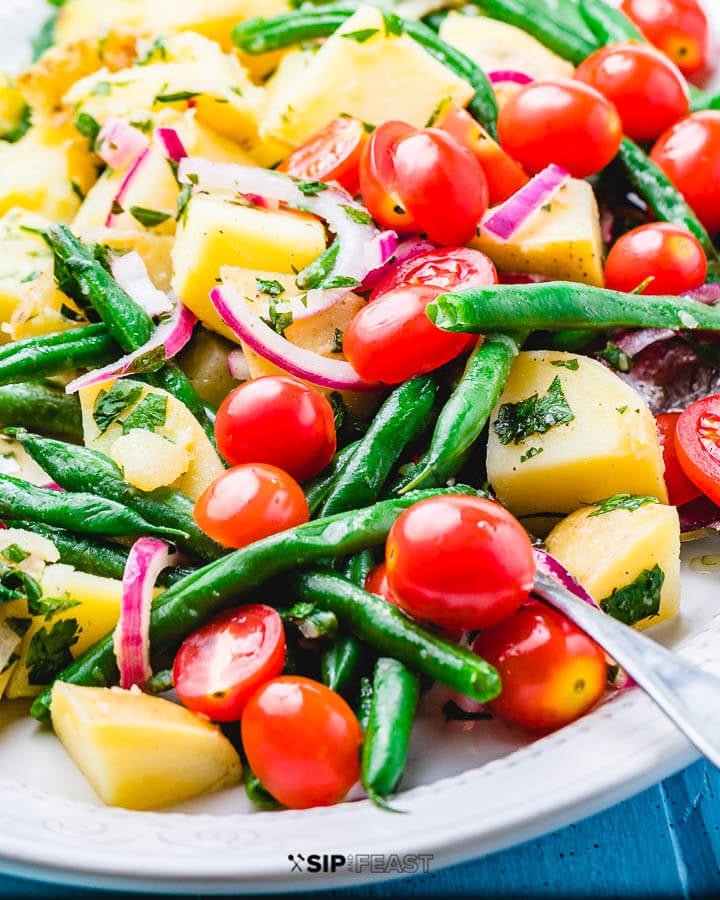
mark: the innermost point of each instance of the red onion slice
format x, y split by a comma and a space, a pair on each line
119, 144
237, 314
505, 220
131, 639
171, 144
131, 274
125, 185
511, 76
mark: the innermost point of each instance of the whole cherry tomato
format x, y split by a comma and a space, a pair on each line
649, 92
551, 672
560, 121
277, 420
668, 254
679, 28
697, 442
333, 154
376, 582
680, 489
423, 180
302, 741
459, 562
221, 665
250, 502
689, 154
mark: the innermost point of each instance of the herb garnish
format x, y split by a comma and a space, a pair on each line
534, 415
637, 600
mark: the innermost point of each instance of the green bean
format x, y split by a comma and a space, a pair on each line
398, 421
358, 567
216, 586
81, 512
608, 24
563, 305
341, 664
700, 100
317, 490
38, 357
43, 406
396, 690
172, 379
364, 706
465, 414
660, 193
83, 469
311, 622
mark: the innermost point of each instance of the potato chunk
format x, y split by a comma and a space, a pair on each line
628, 559
566, 432
138, 751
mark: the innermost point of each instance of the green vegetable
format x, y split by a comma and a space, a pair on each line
341, 664
42, 406
149, 414
620, 501
516, 422
637, 600
49, 650
37, 357
110, 405
148, 218
317, 490
312, 623
364, 707
608, 24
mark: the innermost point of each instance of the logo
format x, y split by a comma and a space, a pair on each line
361, 863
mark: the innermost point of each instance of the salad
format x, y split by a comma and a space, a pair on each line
327, 327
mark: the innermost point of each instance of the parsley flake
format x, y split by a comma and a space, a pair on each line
312, 188
15, 553
178, 97
533, 451
572, 364
629, 502
111, 404
534, 415
270, 287
148, 218
638, 600
149, 414
49, 651
359, 216
364, 34
616, 358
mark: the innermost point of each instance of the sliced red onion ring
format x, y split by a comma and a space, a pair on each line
131, 274
407, 249
147, 558
698, 518
706, 293
237, 365
512, 76
505, 220
362, 248
172, 335
171, 144
119, 144
125, 185
237, 314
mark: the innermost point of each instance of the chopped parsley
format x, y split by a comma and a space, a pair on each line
616, 358
49, 651
50, 606
279, 319
178, 97
572, 364
88, 127
270, 287
315, 274
637, 600
183, 200
18, 624
622, 409
15, 553
533, 451
394, 25
629, 502
364, 34
111, 404
156, 50
101, 89
534, 415
339, 281
359, 216
312, 188
149, 414
148, 218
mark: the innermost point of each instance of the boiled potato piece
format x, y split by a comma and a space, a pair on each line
626, 556
216, 232
153, 248
42, 308
604, 441
12, 106
373, 79
562, 240
139, 751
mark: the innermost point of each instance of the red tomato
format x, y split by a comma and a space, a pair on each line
221, 665
459, 562
444, 269
667, 253
689, 154
277, 420
679, 28
248, 503
680, 489
302, 741
423, 180
551, 672
333, 154
560, 121
697, 442
649, 92
376, 582
504, 176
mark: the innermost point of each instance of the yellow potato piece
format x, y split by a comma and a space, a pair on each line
139, 751
609, 551
153, 248
149, 460
12, 105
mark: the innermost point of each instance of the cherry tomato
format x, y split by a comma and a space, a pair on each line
303, 741
277, 420
221, 665
680, 489
667, 253
445, 268
697, 443
649, 92
376, 582
679, 28
250, 502
333, 154
459, 562
504, 176
423, 180
551, 672
560, 121
689, 154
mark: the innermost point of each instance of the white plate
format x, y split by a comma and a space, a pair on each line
467, 793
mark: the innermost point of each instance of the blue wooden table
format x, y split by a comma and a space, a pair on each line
663, 843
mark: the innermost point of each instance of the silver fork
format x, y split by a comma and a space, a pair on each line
687, 695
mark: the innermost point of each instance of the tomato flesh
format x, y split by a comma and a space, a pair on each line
680, 489
221, 665
697, 442
303, 741
667, 254
333, 154
551, 672
445, 269
679, 28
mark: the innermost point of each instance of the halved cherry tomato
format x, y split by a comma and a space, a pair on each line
689, 154
680, 489
459, 562
560, 121
333, 154
302, 741
551, 672
504, 176
697, 442
679, 28
248, 503
221, 665
649, 92
423, 180
445, 269
277, 420
667, 253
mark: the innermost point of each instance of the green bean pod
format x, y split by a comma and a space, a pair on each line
608, 24
341, 664
317, 490
43, 406
364, 705
39, 357
172, 379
